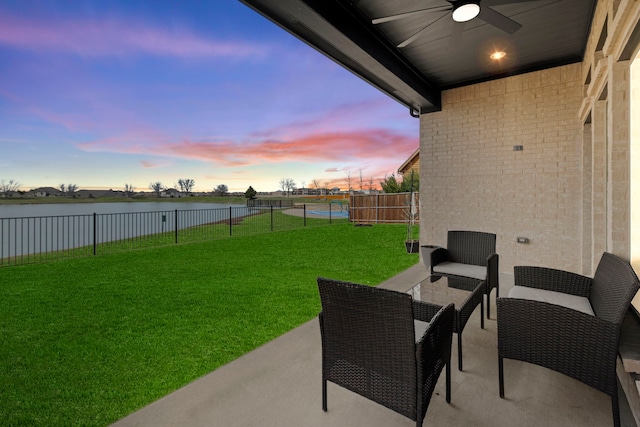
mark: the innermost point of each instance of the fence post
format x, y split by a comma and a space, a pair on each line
271, 217
329, 212
176, 225
95, 231
230, 225
304, 210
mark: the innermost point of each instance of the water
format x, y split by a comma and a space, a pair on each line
62, 209
30, 229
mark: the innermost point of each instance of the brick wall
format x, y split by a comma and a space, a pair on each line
471, 177
573, 188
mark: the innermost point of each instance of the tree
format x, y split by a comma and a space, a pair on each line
250, 193
156, 187
8, 188
221, 190
316, 185
389, 184
410, 182
349, 182
71, 189
63, 187
186, 185
128, 190
291, 185
287, 184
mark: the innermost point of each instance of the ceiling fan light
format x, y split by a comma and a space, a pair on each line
466, 11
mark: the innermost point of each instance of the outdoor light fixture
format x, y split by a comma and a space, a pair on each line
496, 56
465, 11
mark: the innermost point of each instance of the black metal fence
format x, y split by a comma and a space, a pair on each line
266, 203
31, 240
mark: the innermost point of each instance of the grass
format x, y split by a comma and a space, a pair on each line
264, 222
87, 341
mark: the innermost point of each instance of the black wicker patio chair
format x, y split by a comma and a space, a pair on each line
384, 346
468, 254
568, 322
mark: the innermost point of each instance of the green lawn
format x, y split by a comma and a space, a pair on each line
87, 341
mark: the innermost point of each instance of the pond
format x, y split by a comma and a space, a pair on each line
38, 228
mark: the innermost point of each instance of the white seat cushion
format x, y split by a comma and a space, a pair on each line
558, 298
420, 327
467, 270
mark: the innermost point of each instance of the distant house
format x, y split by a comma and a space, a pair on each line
44, 192
98, 193
171, 193
411, 164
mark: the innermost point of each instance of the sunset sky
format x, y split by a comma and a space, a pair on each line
106, 93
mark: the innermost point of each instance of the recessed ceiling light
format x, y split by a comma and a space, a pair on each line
466, 11
498, 55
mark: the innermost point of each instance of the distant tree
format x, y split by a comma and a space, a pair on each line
63, 187
410, 182
361, 186
250, 193
128, 190
156, 187
287, 184
186, 185
390, 184
291, 185
349, 182
8, 188
282, 184
221, 190
316, 184
71, 189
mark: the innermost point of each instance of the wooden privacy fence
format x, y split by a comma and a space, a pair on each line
383, 208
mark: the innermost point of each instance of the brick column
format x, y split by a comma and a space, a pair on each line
619, 231
599, 181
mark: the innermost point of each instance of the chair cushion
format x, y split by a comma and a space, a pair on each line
558, 298
420, 327
467, 270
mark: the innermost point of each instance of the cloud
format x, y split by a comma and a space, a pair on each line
112, 37
152, 164
346, 146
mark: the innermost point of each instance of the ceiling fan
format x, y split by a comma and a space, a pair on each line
461, 11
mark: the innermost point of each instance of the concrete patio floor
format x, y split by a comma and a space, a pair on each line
279, 384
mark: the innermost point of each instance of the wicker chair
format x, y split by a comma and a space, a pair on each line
377, 343
564, 337
468, 254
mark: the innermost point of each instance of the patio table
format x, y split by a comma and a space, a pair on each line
465, 293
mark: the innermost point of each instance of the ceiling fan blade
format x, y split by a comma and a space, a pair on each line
498, 20
408, 14
416, 35
501, 2
456, 34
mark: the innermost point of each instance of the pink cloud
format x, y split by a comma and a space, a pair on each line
115, 37
152, 164
360, 147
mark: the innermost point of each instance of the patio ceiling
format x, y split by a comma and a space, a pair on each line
443, 54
